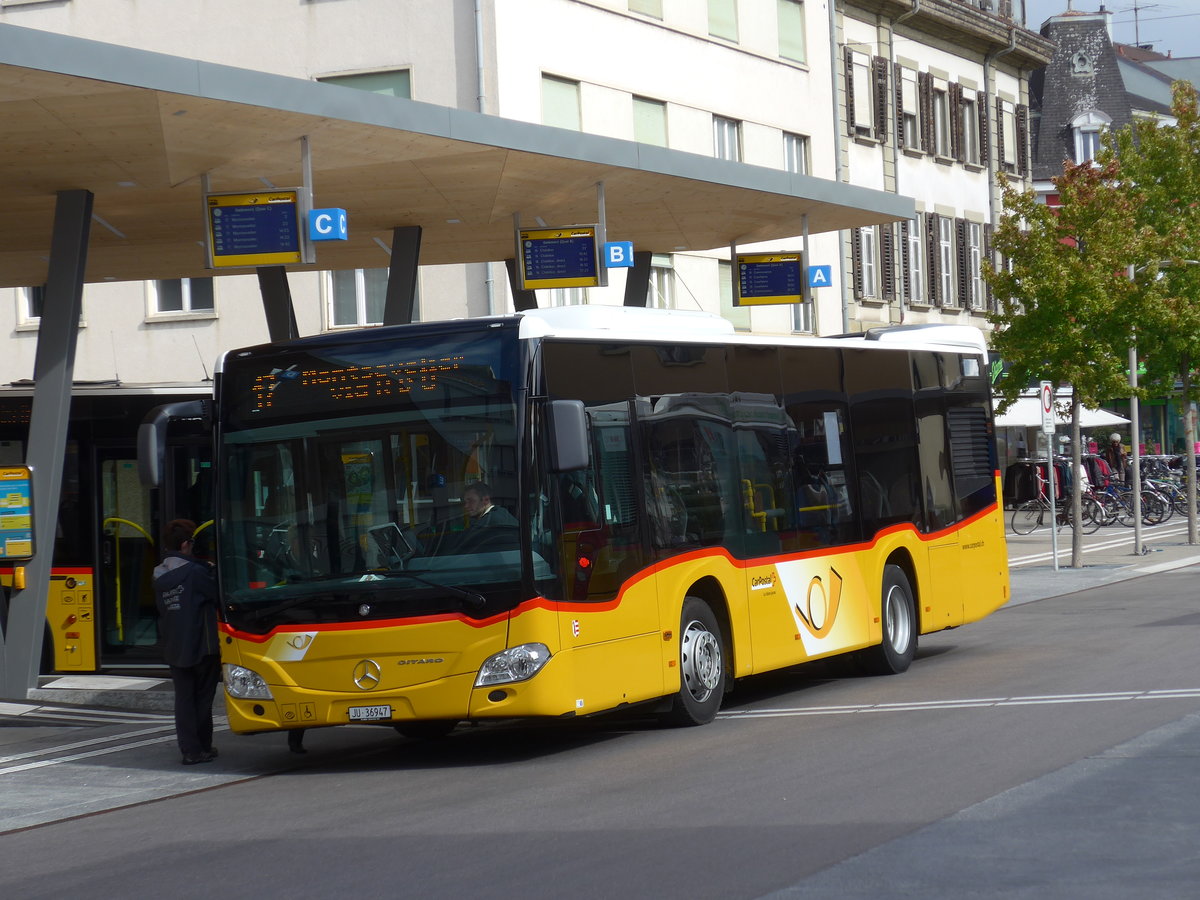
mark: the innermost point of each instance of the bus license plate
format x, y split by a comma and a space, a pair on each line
369, 713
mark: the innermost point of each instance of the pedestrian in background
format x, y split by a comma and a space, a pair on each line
186, 594
1114, 455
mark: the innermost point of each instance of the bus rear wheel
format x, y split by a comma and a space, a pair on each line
701, 666
898, 614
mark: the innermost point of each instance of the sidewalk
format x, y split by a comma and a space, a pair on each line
1030, 582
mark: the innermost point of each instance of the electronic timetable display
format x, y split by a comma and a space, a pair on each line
558, 257
254, 229
765, 278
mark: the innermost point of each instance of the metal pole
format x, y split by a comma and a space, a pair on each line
1135, 457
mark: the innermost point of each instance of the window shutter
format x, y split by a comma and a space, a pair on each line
933, 259
984, 131
1023, 140
898, 97
956, 121
887, 262
856, 262
879, 76
905, 261
849, 67
999, 133
989, 297
964, 269
925, 89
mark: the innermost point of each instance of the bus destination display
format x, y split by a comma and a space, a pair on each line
254, 229
558, 257
770, 278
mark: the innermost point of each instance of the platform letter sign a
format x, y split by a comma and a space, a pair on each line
327, 225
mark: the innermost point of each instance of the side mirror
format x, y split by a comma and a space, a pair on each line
567, 421
152, 435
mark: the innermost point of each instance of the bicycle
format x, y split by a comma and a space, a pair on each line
1032, 514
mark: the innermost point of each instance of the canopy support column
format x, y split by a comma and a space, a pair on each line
277, 303
401, 300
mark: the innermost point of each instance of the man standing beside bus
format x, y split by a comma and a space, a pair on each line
186, 594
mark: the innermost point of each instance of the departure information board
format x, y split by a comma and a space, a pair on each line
770, 278
16, 512
558, 257
260, 229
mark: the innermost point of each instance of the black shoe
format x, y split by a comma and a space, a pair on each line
211, 753
193, 759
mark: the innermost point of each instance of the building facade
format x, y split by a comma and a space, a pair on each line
925, 98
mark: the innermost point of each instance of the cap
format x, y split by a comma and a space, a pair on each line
1114, 437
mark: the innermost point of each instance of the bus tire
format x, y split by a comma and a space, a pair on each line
898, 613
701, 666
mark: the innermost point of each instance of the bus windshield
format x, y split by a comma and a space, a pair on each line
365, 480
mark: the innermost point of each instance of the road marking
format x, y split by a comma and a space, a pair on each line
966, 703
1124, 540
119, 743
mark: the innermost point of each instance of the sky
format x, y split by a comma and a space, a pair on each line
1169, 25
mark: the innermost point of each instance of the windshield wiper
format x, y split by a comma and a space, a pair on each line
472, 599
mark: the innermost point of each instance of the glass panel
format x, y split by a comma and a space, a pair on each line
397, 83
200, 294
649, 121
344, 305
560, 103
170, 295
722, 19
791, 30
375, 288
647, 7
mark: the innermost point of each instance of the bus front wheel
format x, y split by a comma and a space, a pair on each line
701, 666
898, 613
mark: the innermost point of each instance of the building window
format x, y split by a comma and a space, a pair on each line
969, 134
727, 138
183, 295
1013, 137
357, 297
560, 103
571, 296
394, 83
652, 8
946, 292
802, 318
910, 109
722, 19
858, 101
738, 316
649, 121
791, 29
795, 153
976, 289
661, 292
865, 251
32, 300
912, 252
1087, 129
941, 119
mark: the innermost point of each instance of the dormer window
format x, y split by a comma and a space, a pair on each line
1087, 128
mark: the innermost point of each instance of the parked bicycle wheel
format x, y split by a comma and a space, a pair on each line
1028, 516
1091, 514
1155, 508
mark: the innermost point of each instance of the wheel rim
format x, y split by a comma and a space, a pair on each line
701, 652
899, 624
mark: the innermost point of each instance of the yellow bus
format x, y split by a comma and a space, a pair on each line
682, 507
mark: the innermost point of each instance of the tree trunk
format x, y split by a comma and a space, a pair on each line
1189, 436
1076, 485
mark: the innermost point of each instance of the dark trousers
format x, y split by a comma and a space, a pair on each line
195, 687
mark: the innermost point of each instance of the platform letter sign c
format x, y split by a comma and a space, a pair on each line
328, 225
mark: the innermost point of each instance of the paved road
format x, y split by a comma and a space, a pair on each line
1049, 751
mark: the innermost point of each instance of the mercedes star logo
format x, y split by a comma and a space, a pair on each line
367, 674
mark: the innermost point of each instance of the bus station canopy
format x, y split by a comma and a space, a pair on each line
139, 130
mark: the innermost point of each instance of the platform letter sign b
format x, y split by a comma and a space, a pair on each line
618, 255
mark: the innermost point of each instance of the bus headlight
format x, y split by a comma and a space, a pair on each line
514, 664
243, 684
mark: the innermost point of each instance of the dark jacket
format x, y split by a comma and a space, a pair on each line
186, 594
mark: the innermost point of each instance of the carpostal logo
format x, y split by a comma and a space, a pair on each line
763, 582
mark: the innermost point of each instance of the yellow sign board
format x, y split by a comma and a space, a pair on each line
258, 229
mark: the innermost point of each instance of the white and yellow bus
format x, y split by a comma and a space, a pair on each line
686, 507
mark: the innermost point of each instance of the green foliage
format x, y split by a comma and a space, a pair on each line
1066, 307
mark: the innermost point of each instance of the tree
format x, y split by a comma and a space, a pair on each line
1067, 308
1160, 161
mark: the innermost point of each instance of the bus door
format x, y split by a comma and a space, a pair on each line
130, 525
128, 554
